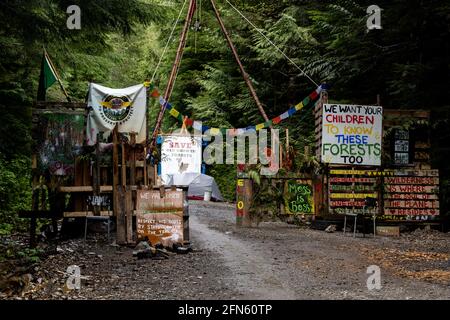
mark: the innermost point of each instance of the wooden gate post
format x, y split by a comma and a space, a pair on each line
248, 196
117, 191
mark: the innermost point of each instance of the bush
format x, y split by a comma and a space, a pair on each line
15, 194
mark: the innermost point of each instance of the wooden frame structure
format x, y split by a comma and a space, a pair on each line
64, 194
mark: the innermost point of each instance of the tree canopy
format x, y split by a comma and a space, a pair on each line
407, 62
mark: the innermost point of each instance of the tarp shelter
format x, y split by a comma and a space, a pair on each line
198, 184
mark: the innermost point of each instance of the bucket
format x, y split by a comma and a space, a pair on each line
207, 196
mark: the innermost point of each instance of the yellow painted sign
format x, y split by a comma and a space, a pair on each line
352, 195
370, 173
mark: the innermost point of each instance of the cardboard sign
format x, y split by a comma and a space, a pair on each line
181, 154
160, 220
351, 134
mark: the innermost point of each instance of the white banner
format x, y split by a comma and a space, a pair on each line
125, 108
180, 154
351, 134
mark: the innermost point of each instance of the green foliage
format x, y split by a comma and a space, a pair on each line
15, 193
406, 63
11, 251
225, 178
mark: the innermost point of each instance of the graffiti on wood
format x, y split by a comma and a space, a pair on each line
60, 141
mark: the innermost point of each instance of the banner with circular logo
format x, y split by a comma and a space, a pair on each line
125, 108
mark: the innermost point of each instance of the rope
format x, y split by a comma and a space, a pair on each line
168, 41
270, 41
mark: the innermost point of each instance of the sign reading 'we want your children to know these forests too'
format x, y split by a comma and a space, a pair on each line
351, 134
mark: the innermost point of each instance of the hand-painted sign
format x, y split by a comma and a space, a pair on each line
348, 193
370, 173
160, 220
413, 197
351, 134
299, 197
411, 212
412, 180
403, 188
181, 154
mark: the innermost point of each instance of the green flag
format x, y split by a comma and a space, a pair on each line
47, 78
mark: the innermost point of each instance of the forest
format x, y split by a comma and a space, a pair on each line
406, 65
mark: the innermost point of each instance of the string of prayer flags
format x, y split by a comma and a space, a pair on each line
197, 125
285, 115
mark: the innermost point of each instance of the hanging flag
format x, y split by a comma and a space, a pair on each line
48, 77
125, 108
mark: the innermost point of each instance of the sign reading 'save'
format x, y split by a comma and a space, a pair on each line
351, 134
181, 154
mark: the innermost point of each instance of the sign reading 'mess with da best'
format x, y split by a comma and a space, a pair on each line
351, 134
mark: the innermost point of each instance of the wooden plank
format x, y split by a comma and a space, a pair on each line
347, 203
357, 210
129, 215
417, 173
123, 166
389, 231
418, 204
121, 216
80, 214
422, 145
352, 195
421, 155
412, 180
411, 189
73, 189
349, 188
130, 197
369, 173
351, 180
411, 212
118, 212
145, 168
86, 174
411, 196
132, 177
402, 113
81, 189
151, 200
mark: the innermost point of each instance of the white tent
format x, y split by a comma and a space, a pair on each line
198, 184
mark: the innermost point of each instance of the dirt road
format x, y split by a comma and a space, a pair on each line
280, 261
274, 261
